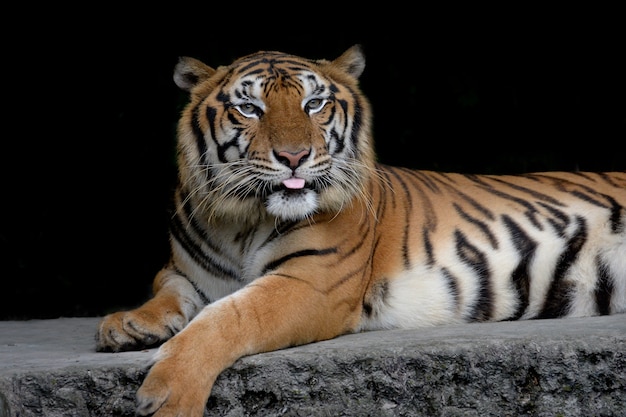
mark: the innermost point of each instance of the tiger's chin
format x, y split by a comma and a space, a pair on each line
292, 204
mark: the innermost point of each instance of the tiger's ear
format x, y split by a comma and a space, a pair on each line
351, 61
189, 72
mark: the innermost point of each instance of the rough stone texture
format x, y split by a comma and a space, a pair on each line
567, 367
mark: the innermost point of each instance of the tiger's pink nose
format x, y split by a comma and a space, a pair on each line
291, 159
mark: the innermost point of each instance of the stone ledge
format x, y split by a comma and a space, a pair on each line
568, 367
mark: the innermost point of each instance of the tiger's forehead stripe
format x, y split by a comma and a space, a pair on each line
273, 82
271, 61
274, 66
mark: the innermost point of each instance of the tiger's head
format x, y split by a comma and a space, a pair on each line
274, 134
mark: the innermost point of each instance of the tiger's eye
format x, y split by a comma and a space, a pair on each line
249, 110
314, 105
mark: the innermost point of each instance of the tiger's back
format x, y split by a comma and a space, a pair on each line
287, 231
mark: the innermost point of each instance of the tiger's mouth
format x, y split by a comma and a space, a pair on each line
292, 186
294, 200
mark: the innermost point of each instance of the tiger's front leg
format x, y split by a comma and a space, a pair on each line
174, 304
271, 313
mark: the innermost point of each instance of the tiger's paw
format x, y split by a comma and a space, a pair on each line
137, 329
173, 388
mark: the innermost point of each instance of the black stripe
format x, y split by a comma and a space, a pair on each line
606, 177
535, 194
530, 212
199, 135
478, 179
407, 218
377, 295
306, 252
470, 255
337, 139
271, 59
454, 188
478, 223
589, 199
331, 116
386, 189
521, 274
357, 124
453, 286
428, 181
617, 226
604, 289
281, 229
180, 228
558, 297
559, 221
203, 296
428, 246
419, 181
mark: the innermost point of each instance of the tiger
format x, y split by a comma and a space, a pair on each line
287, 230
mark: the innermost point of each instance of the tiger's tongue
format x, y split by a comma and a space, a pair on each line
294, 183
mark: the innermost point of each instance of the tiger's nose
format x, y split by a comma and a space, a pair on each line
292, 159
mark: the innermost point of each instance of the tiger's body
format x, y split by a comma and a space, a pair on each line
287, 231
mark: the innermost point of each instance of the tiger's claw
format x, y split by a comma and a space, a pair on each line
135, 330
171, 388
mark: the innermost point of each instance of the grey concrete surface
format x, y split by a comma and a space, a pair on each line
564, 367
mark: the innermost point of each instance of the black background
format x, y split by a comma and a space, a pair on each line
90, 110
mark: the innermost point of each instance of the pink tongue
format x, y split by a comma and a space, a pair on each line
294, 183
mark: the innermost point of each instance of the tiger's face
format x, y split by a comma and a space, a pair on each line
274, 134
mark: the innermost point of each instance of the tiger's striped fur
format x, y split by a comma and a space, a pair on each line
287, 231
